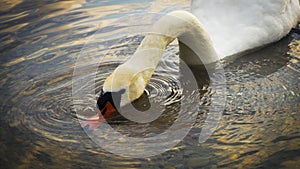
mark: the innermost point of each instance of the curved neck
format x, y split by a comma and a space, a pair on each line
194, 43
195, 49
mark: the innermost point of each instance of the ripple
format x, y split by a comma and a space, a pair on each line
51, 117
163, 93
39, 126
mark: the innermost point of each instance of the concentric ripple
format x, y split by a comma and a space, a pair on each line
48, 114
39, 125
162, 94
166, 112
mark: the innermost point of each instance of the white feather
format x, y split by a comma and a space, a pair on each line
238, 25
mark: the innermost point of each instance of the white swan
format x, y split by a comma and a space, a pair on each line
223, 28
238, 25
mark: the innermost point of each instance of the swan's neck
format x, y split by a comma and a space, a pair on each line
194, 43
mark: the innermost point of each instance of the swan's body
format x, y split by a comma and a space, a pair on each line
238, 25
205, 40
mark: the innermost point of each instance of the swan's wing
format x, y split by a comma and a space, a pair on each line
239, 25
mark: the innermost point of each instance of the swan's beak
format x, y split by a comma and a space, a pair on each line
96, 120
107, 106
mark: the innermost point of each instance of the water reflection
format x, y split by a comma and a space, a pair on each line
39, 44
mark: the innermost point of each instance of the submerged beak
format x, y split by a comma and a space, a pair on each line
107, 107
96, 120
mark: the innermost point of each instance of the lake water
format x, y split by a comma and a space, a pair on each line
39, 127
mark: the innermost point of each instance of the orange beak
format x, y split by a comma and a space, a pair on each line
96, 120
107, 106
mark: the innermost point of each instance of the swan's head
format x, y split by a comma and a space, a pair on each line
122, 87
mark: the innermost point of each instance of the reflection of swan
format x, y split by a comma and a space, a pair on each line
272, 20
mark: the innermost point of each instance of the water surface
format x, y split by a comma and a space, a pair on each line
40, 41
